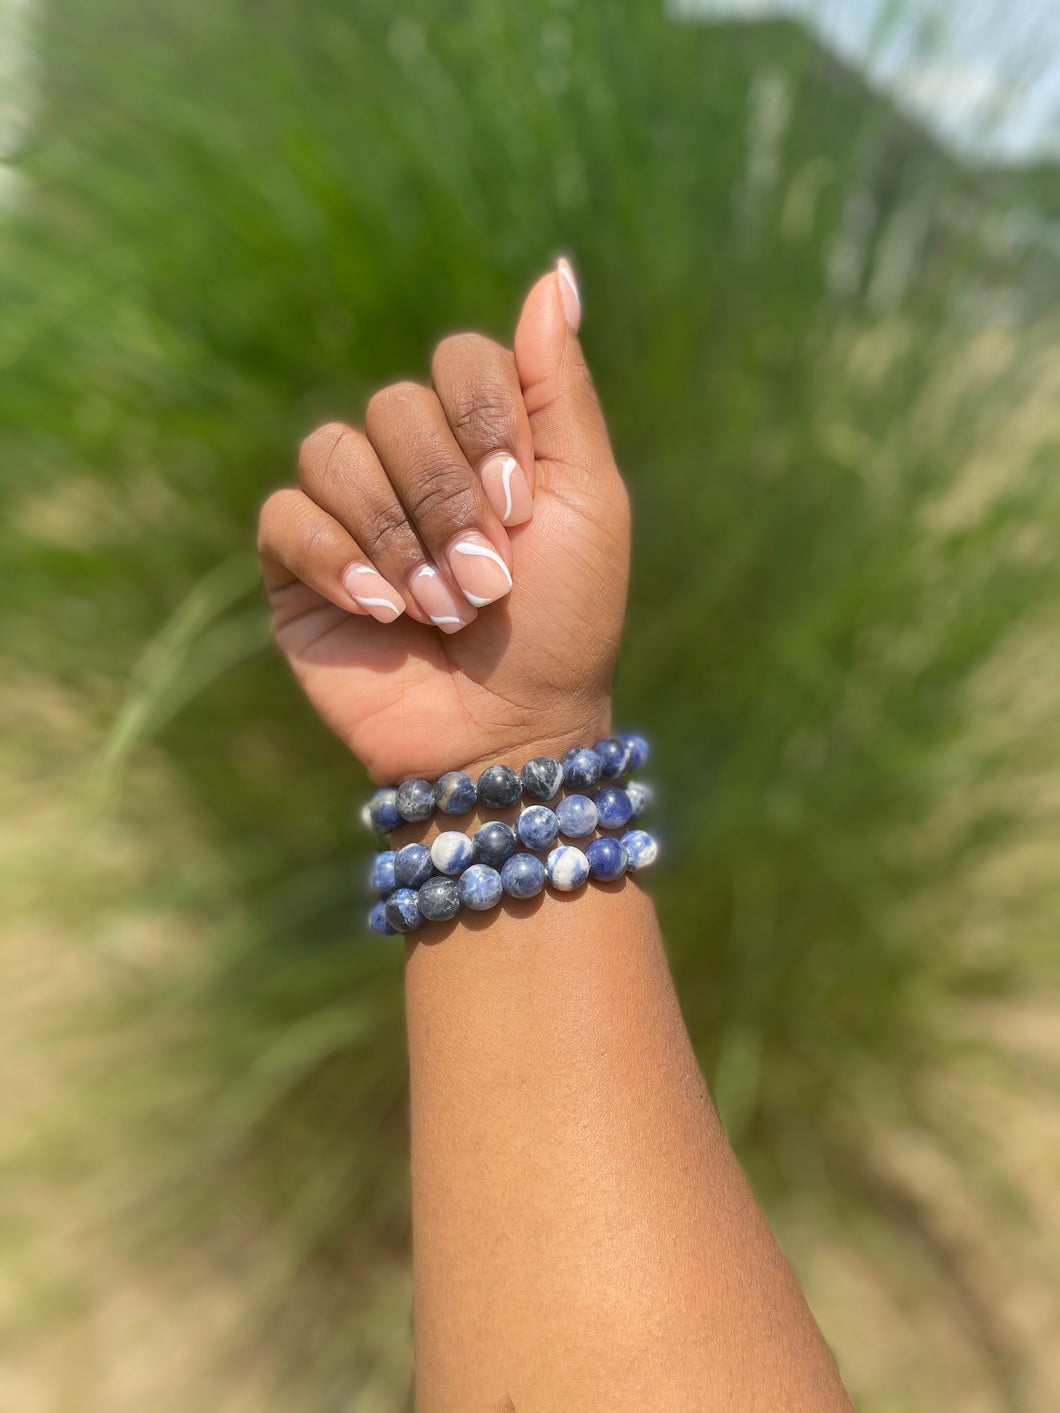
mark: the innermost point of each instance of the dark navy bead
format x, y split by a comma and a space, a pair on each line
567, 868
498, 785
403, 911
415, 800
607, 859
455, 793
577, 816
378, 923
613, 806
412, 865
614, 756
641, 797
494, 843
641, 848
542, 777
581, 768
537, 827
451, 852
523, 876
480, 887
382, 877
380, 814
439, 899
638, 750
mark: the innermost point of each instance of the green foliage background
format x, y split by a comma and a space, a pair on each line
820, 367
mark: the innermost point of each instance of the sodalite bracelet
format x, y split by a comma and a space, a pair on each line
542, 778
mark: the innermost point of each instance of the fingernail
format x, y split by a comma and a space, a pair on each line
568, 293
368, 588
479, 570
437, 600
507, 489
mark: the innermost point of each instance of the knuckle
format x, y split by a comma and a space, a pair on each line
483, 415
385, 530
444, 498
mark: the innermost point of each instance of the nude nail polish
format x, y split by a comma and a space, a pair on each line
507, 489
476, 566
437, 600
367, 587
568, 293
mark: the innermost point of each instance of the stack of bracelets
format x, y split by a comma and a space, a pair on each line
417, 884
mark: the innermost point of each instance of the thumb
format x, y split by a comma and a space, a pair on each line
570, 439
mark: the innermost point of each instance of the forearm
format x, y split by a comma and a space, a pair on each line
583, 1236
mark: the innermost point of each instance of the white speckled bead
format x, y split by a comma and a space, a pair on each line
641, 848
451, 852
567, 868
641, 797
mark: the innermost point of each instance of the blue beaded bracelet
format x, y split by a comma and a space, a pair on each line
498, 786
480, 886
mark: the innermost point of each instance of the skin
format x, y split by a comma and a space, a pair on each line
583, 1236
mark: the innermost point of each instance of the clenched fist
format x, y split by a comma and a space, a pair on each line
449, 583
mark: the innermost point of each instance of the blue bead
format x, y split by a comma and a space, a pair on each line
439, 899
378, 923
537, 827
523, 876
498, 785
415, 800
542, 777
577, 816
403, 911
380, 814
638, 750
412, 865
607, 859
641, 848
480, 887
494, 843
455, 793
581, 768
451, 852
382, 877
641, 797
613, 806
567, 868
614, 756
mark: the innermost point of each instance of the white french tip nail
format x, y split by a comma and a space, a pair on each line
569, 296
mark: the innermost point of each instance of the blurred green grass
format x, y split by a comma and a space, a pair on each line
830, 387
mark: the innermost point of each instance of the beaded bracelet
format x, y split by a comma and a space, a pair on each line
437, 898
498, 786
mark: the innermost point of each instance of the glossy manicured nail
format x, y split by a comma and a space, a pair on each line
507, 489
479, 570
568, 293
437, 600
369, 589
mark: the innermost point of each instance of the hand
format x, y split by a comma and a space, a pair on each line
441, 608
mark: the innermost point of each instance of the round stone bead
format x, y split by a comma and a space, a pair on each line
378, 923
494, 843
638, 750
537, 827
567, 868
607, 859
451, 852
415, 800
641, 797
382, 876
613, 806
439, 899
380, 814
480, 887
542, 777
455, 793
412, 866
403, 911
641, 848
498, 785
523, 876
614, 756
577, 816
581, 768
